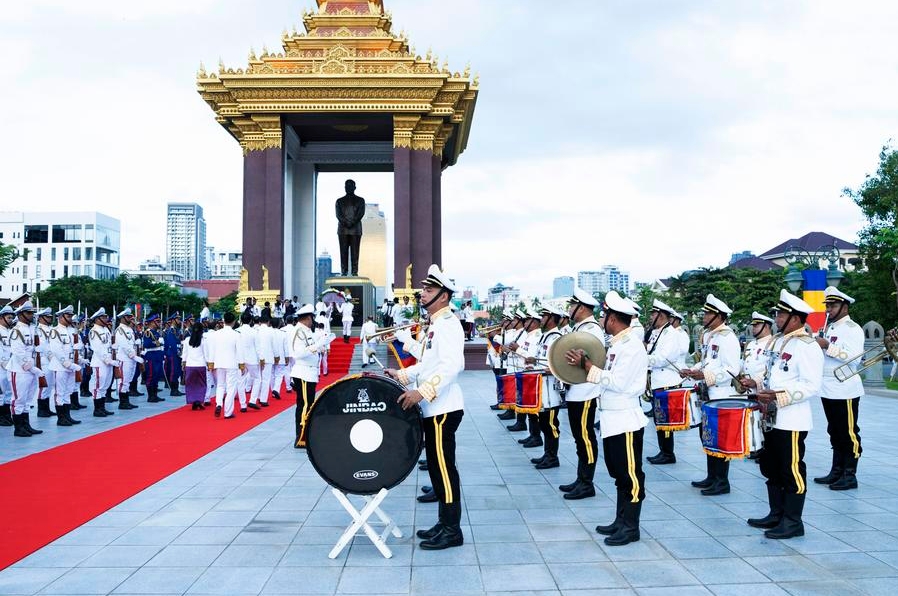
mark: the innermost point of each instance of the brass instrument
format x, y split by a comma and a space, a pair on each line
483, 331
875, 355
389, 331
578, 340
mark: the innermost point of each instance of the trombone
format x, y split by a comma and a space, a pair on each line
873, 356
389, 331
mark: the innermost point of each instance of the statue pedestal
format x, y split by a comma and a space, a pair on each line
362, 291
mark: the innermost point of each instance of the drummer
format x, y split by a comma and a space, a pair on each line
548, 416
305, 348
621, 384
527, 351
754, 357
440, 396
720, 361
793, 377
663, 349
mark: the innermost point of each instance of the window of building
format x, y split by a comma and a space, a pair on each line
24, 287
88, 253
53, 254
65, 253
89, 270
67, 233
37, 253
36, 234
65, 270
108, 237
24, 270
52, 272
25, 254
88, 232
37, 287
37, 271
76, 270
76, 253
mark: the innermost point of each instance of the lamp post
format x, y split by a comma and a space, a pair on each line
812, 278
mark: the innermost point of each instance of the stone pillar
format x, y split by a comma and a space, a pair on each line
416, 232
303, 196
263, 216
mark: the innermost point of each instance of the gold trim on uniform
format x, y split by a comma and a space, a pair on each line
799, 481
584, 432
441, 457
631, 467
855, 444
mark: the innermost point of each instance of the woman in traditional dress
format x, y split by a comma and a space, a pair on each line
195, 351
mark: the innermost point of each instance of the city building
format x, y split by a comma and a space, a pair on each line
591, 281
738, 256
185, 240
323, 269
502, 296
616, 279
155, 270
373, 250
815, 244
53, 245
563, 286
215, 289
224, 264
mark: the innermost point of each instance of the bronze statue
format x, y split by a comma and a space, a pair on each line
350, 211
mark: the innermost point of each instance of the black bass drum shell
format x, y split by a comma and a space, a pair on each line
368, 402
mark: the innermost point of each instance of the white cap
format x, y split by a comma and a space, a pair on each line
68, 310
508, 314
305, 309
124, 313
435, 277
635, 306
99, 313
832, 294
584, 297
757, 317
7, 310
792, 303
45, 312
26, 307
533, 313
613, 301
678, 315
658, 305
714, 304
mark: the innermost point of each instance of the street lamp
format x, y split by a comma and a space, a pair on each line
812, 277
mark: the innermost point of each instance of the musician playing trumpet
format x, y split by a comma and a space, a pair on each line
754, 357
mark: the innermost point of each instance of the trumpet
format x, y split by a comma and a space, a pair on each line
488, 329
873, 356
389, 331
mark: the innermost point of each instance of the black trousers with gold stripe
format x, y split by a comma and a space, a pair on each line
582, 416
782, 460
548, 423
841, 424
305, 395
623, 458
439, 447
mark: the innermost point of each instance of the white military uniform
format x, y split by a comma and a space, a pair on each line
226, 358
61, 352
346, 317
43, 348
720, 357
23, 371
279, 344
249, 356
846, 341
102, 361
124, 343
5, 386
368, 329
265, 345
305, 347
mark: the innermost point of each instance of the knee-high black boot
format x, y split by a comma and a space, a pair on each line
628, 530
75, 404
61, 418
451, 534
43, 408
721, 481
30, 428
709, 477
790, 525
19, 422
776, 499
5, 415
835, 471
99, 409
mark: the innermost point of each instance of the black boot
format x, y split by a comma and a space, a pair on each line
665, 450
124, 402
43, 408
28, 426
611, 528
175, 392
709, 477
628, 530
775, 498
551, 461
849, 479
99, 410
536, 460
585, 488
85, 383
506, 415
520, 424
451, 534
790, 526
68, 414
18, 421
132, 388
61, 418
153, 395
76, 405
436, 529
532, 441
5, 415
721, 484
109, 398
835, 472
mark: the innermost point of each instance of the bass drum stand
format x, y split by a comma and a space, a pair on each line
360, 519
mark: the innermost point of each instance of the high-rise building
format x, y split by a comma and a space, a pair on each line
616, 279
323, 270
503, 296
185, 246
373, 249
562, 286
53, 245
593, 282
224, 264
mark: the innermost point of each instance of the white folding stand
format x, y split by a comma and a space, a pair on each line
360, 520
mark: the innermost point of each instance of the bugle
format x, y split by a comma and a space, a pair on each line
388, 331
873, 356
482, 331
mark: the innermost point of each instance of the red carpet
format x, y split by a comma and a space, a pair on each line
67, 486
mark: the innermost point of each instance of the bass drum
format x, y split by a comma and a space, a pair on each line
359, 439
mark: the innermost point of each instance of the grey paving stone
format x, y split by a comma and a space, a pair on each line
90, 536
479, 517
264, 533
498, 578
888, 557
768, 589
232, 580
581, 576
675, 591
184, 555
446, 580
121, 556
148, 536
376, 581
497, 553
159, 580
500, 533
723, 571
302, 580
367, 555
788, 568
868, 540
695, 548
463, 555
92, 580
820, 588
877, 586
559, 532
853, 565
28, 580
656, 574
208, 535
250, 555
572, 552
58, 556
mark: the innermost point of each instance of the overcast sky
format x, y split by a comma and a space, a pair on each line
655, 135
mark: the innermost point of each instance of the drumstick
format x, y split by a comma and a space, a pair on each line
676, 368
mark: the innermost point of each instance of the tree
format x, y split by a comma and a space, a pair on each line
225, 304
878, 199
8, 254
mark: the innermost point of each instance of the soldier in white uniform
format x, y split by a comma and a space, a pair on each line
225, 359
61, 354
682, 337
844, 340
102, 362
249, 355
755, 354
347, 318
124, 342
435, 376
548, 416
305, 348
279, 343
44, 318
23, 371
265, 340
369, 328
621, 383
581, 402
793, 378
509, 361
528, 349
7, 321
663, 348
719, 364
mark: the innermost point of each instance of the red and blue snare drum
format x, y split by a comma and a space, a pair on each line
507, 391
732, 428
530, 393
676, 409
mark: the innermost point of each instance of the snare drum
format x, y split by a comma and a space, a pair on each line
732, 428
507, 391
530, 393
676, 409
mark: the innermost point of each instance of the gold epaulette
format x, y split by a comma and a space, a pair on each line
808, 339
725, 331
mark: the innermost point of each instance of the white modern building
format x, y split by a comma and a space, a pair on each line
224, 264
503, 296
54, 245
600, 282
155, 270
593, 282
563, 287
185, 240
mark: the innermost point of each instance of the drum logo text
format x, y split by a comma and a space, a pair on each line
365, 475
364, 404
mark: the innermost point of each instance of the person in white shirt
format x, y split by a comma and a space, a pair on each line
225, 360
42, 355
7, 321
347, 318
621, 382
683, 338
61, 353
322, 328
23, 370
663, 348
435, 376
195, 356
102, 362
123, 342
279, 370
249, 355
842, 341
548, 416
305, 348
265, 340
368, 329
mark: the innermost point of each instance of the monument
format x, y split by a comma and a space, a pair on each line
350, 211
346, 95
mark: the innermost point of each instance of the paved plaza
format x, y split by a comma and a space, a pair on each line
253, 517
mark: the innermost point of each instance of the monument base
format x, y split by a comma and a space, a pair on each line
362, 291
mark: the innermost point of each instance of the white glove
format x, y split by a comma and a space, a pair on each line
74, 367
138, 360
36, 372
116, 363
404, 336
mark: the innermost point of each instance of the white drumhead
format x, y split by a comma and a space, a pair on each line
366, 436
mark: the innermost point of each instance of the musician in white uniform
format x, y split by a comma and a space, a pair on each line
682, 337
842, 341
42, 354
548, 416
61, 354
305, 348
528, 349
435, 376
581, 402
251, 379
621, 385
721, 361
792, 378
755, 354
346, 317
225, 360
23, 371
123, 342
369, 328
509, 360
663, 350
265, 346
7, 321
102, 361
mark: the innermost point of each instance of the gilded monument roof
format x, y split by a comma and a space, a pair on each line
348, 59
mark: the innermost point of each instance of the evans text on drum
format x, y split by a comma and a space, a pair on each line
359, 439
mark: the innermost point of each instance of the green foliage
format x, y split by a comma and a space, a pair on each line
874, 296
878, 199
8, 254
118, 293
225, 304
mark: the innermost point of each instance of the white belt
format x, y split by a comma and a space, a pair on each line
615, 404
153, 349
